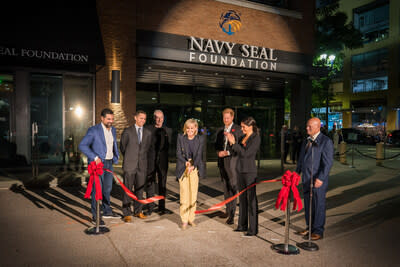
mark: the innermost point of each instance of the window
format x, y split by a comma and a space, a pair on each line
370, 71
373, 21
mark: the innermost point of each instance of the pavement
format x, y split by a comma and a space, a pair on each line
42, 222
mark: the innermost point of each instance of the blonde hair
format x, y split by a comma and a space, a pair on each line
230, 111
186, 125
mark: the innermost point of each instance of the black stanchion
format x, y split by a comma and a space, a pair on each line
286, 248
352, 156
308, 245
98, 229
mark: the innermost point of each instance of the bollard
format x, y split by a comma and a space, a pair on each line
379, 154
342, 153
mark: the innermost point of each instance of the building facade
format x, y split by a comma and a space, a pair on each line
189, 58
369, 93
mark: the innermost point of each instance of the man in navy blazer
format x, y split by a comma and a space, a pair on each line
316, 155
100, 145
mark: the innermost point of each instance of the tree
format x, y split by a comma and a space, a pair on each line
332, 35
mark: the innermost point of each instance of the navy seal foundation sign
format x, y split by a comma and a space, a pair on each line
230, 22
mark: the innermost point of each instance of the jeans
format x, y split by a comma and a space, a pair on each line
106, 181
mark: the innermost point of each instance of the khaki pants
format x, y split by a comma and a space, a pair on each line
188, 186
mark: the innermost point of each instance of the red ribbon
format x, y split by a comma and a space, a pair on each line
94, 170
132, 195
223, 203
290, 181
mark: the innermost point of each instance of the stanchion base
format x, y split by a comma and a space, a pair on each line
280, 248
351, 166
92, 230
308, 245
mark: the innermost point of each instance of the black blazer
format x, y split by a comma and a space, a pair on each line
158, 151
135, 155
220, 141
247, 153
182, 148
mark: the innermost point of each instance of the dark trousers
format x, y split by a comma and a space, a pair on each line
106, 180
229, 179
161, 174
296, 152
137, 181
318, 207
248, 217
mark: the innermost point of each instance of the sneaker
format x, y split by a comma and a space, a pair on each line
101, 223
111, 215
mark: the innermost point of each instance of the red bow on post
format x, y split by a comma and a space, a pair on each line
94, 170
290, 181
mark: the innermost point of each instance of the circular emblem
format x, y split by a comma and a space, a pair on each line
230, 22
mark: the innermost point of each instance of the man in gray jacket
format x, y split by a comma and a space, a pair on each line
135, 144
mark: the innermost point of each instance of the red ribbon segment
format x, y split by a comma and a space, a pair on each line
94, 170
132, 195
290, 181
221, 204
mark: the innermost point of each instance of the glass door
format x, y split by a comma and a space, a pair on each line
46, 111
7, 142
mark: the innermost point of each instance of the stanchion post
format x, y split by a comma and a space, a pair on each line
97, 230
342, 152
286, 248
352, 156
379, 154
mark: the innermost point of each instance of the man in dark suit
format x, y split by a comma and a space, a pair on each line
158, 161
227, 160
100, 145
134, 145
316, 157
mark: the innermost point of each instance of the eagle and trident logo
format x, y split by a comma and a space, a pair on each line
230, 22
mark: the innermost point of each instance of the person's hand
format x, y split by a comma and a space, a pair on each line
230, 137
318, 183
187, 164
190, 169
98, 160
222, 154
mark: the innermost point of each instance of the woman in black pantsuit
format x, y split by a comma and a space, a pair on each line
247, 148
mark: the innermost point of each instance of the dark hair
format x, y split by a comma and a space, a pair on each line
250, 121
106, 111
139, 112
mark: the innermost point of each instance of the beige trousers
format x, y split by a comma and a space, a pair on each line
188, 186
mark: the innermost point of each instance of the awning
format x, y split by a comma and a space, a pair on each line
58, 34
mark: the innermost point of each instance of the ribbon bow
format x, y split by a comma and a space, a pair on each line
94, 170
290, 181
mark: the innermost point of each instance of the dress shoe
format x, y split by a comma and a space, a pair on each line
111, 215
128, 219
302, 233
140, 215
315, 237
249, 234
147, 212
163, 212
192, 224
224, 215
229, 221
240, 230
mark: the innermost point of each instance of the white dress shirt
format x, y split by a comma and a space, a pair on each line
109, 142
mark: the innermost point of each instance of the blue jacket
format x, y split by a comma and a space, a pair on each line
322, 159
94, 144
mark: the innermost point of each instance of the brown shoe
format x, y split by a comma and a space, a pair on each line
302, 233
315, 237
127, 219
140, 215
192, 224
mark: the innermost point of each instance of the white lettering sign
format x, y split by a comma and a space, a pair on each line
211, 52
41, 54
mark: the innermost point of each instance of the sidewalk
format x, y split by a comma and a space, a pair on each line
45, 227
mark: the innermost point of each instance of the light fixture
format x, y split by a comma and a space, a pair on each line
115, 92
78, 111
332, 58
323, 56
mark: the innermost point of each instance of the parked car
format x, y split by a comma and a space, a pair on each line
394, 138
